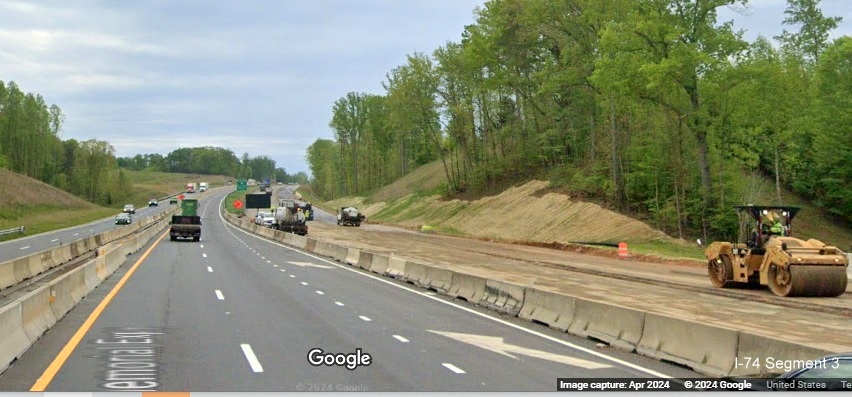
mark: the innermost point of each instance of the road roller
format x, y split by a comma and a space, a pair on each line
769, 255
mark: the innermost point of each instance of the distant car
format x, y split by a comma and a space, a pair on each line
153, 203
123, 218
129, 209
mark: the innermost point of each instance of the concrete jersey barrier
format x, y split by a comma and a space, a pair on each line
618, 326
14, 341
550, 308
706, 348
503, 297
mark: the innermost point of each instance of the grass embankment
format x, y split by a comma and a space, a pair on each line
238, 195
148, 185
41, 207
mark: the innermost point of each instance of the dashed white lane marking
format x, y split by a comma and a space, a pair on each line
274, 265
204, 255
365, 318
76, 234
401, 339
304, 283
292, 276
219, 295
339, 303
54, 240
252, 359
321, 293
283, 270
453, 368
23, 248
209, 269
269, 262
201, 245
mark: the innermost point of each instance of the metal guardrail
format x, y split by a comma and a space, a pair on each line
20, 229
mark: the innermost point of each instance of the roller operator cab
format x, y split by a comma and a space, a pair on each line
767, 254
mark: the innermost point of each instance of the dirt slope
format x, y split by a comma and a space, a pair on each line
517, 214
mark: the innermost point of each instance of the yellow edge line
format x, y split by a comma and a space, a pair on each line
60, 359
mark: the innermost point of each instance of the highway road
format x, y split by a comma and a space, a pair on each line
29, 245
236, 312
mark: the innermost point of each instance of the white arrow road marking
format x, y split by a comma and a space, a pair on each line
497, 345
308, 264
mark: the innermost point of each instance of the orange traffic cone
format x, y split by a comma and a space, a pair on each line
622, 250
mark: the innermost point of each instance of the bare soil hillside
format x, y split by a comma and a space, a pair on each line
520, 213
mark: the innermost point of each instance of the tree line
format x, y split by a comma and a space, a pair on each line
654, 106
210, 160
30, 145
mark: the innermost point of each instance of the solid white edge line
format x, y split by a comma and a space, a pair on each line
453, 368
365, 318
252, 359
401, 339
219, 295
471, 311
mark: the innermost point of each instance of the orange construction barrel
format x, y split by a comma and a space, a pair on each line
622, 250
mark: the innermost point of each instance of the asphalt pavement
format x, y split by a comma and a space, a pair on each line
17, 248
236, 312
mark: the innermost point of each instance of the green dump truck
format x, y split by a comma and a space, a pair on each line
188, 223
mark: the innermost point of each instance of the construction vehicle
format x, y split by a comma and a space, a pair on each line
188, 223
350, 216
289, 218
768, 255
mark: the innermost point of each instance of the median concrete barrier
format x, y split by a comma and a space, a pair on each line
618, 326
758, 354
705, 348
300, 242
379, 264
555, 310
502, 297
14, 341
396, 267
353, 255
437, 279
23, 270
414, 272
310, 244
60, 294
36, 314
90, 273
77, 277
7, 274
468, 287
340, 253
365, 260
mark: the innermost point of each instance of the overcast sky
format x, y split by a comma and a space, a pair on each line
252, 76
